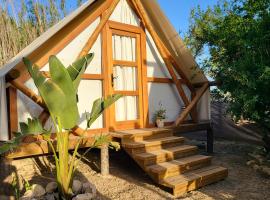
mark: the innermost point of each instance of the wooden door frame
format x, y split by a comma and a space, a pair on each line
139, 33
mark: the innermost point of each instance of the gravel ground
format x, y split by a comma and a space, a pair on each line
128, 182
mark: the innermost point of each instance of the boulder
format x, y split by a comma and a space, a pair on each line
51, 187
76, 187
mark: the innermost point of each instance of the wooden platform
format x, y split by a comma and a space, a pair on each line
168, 161
41, 147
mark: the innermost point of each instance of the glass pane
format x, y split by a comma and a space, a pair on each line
125, 78
126, 108
124, 48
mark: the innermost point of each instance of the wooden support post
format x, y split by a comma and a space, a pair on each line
104, 158
210, 140
87, 47
195, 100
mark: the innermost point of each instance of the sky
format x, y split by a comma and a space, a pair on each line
178, 11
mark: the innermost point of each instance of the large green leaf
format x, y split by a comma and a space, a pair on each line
48, 90
59, 75
32, 127
99, 106
77, 68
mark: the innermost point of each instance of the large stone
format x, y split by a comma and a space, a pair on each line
89, 188
86, 196
51, 187
76, 187
38, 190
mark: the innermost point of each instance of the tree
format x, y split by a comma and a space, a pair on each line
237, 36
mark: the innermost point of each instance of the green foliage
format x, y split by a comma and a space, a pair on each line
59, 92
22, 21
160, 113
99, 106
237, 36
32, 127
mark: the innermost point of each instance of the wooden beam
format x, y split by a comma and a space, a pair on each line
87, 47
127, 27
163, 52
42, 147
28, 92
43, 117
83, 76
164, 80
184, 114
13, 112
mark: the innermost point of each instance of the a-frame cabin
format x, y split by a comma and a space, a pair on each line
138, 54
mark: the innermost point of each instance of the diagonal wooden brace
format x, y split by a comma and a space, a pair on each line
192, 104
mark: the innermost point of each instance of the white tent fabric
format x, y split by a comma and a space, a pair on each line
3, 111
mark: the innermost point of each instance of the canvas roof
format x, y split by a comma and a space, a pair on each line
161, 24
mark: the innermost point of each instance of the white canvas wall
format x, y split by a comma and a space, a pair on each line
123, 13
88, 91
163, 93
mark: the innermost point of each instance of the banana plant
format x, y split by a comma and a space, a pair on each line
59, 93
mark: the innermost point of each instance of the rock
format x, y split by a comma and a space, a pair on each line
28, 195
51, 187
86, 196
38, 190
76, 187
89, 188
49, 197
251, 163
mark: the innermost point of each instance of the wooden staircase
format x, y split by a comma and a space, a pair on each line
169, 161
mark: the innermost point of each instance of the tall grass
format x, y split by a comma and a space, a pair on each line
21, 21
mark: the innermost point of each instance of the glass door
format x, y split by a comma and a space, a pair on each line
126, 79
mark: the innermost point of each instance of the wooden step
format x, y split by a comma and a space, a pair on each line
166, 154
153, 144
178, 166
195, 179
144, 134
